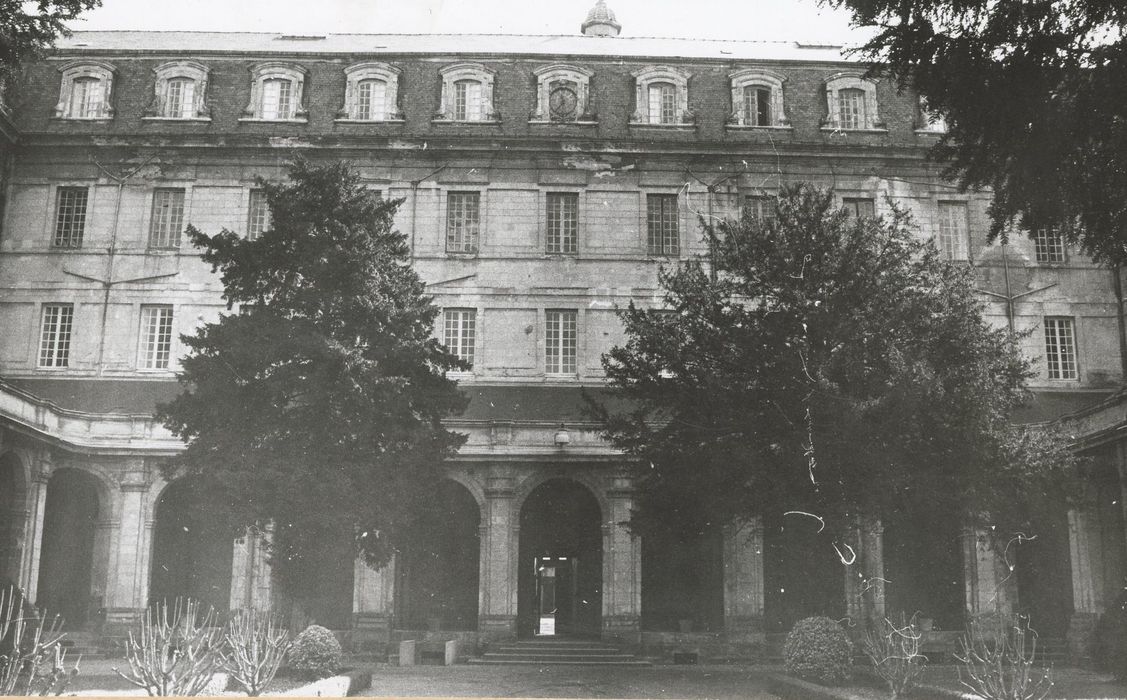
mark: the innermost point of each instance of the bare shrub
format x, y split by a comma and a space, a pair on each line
255, 645
997, 661
894, 650
32, 661
173, 654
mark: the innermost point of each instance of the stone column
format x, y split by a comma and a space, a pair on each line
622, 567
864, 571
743, 579
497, 580
33, 529
126, 593
373, 605
1086, 555
252, 582
990, 581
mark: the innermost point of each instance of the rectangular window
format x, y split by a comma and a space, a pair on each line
851, 108
952, 239
560, 342
168, 218
859, 206
459, 326
563, 222
156, 337
467, 100
760, 209
463, 216
662, 103
371, 95
181, 95
54, 336
757, 106
86, 98
1060, 348
1049, 245
277, 99
662, 231
70, 217
258, 215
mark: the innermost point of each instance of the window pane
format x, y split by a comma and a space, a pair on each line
560, 342
859, 206
180, 98
759, 208
1060, 349
168, 218
54, 337
258, 216
952, 242
277, 99
86, 98
370, 97
851, 108
1049, 246
462, 217
467, 100
458, 332
757, 106
70, 217
661, 224
156, 336
563, 222
662, 107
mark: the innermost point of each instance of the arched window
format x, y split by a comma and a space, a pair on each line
757, 99
179, 91
851, 102
371, 93
85, 91
467, 94
276, 93
562, 94
661, 97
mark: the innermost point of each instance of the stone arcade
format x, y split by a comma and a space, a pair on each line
545, 179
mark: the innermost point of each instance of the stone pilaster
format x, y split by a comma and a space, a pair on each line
622, 567
990, 581
127, 580
373, 605
864, 571
743, 579
497, 596
252, 582
1086, 555
33, 529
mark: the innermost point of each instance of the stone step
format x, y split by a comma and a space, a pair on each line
574, 652
554, 662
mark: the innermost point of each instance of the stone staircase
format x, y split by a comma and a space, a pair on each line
90, 645
555, 652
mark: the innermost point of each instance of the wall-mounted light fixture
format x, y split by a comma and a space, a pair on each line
563, 438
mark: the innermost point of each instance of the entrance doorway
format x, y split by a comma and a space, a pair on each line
66, 563
559, 587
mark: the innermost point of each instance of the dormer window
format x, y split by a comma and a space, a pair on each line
562, 94
85, 91
757, 99
371, 93
467, 94
851, 103
276, 93
179, 91
930, 120
661, 97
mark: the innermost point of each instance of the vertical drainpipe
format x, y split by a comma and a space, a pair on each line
108, 284
1117, 279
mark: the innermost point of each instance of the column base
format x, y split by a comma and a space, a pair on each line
736, 626
121, 621
1081, 630
622, 629
370, 631
496, 628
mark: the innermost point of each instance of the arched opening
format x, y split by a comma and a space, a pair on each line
1041, 560
192, 551
438, 567
802, 574
70, 520
12, 504
560, 567
683, 581
923, 568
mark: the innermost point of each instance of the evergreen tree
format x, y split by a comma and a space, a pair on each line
317, 404
833, 366
27, 29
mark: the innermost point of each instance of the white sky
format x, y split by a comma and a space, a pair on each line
794, 20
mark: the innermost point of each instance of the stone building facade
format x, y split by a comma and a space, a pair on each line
544, 181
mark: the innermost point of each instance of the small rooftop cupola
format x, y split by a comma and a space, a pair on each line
600, 21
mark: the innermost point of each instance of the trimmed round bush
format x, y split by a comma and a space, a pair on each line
818, 650
315, 653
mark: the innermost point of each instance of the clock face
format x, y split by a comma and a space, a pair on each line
562, 103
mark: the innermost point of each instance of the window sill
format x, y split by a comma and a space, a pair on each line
154, 370
461, 253
667, 127
349, 120
259, 120
163, 251
67, 249
932, 132
838, 129
104, 120
550, 122
187, 120
467, 122
459, 374
752, 127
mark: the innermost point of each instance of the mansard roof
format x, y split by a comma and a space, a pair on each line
242, 43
